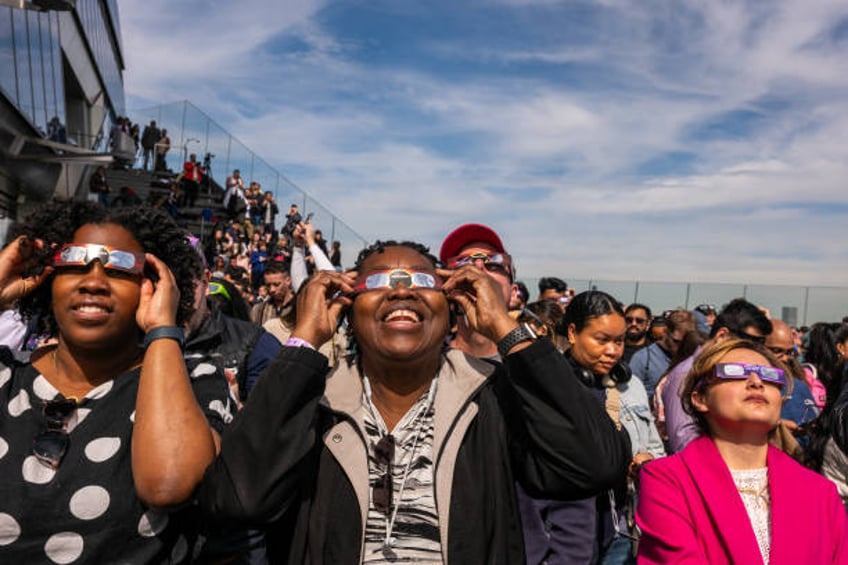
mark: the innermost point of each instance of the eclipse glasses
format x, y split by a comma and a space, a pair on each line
741, 372
394, 277
78, 255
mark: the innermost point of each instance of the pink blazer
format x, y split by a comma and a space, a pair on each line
690, 512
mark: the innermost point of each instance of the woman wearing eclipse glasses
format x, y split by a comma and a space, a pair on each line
102, 432
729, 496
408, 451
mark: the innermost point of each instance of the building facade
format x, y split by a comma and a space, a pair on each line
61, 88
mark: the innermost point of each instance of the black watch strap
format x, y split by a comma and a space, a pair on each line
164, 332
513, 338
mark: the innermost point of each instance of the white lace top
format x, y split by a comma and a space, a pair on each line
752, 485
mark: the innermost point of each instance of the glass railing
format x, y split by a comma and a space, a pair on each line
192, 131
796, 305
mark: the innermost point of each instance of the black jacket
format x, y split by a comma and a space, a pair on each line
529, 420
241, 347
839, 415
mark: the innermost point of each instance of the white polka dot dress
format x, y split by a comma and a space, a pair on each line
86, 511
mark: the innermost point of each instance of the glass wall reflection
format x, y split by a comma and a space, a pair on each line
32, 71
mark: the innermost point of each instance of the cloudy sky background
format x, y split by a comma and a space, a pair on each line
659, 140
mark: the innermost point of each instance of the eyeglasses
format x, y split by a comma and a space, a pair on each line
755, 338
780, 351
500, 263
75, 255
218, 289
635, 320
739, 371
383, 487
51, 444
392, 278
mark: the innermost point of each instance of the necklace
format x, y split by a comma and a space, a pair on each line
754, 485
389, 541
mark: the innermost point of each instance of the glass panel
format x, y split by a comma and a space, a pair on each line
194, 126
7, 54
579, 285
94, 22
39, 112
170, 121
265, 175
660, 296
240, 158
775, 298
825, 304
48, 56
24, 80
216, 143
186, 123
288, 194
620, 290
58, 79
717, 294
350, 243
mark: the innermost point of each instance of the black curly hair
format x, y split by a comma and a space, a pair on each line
56, 222
380, 247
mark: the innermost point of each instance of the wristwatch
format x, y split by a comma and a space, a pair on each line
522, 333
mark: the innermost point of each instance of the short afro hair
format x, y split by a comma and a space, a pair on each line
380, 247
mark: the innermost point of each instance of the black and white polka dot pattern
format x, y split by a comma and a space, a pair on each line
86, 511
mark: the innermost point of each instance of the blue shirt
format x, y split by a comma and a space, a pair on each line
649, 364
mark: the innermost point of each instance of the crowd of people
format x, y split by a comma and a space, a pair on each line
247, 400
131, 145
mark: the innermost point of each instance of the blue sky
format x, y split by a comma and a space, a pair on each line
659, 140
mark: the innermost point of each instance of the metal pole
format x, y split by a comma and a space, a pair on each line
806, 302
688, 286
229, 147
636, 292
182, 123
206, 150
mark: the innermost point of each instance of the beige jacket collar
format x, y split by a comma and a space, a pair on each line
459, 375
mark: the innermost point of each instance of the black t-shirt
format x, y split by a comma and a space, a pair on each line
86, 511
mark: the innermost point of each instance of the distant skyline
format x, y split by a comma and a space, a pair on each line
661, 141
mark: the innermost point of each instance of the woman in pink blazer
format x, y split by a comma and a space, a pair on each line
730, 497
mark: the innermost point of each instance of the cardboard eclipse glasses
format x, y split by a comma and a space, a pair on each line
77, 255
394, 277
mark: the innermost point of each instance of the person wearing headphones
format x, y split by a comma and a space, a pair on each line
601, 528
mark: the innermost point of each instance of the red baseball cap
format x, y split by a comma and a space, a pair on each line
465, 234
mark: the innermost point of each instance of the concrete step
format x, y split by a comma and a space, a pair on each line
153, 187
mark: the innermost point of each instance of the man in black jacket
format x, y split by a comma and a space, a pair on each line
408, 450
244, 349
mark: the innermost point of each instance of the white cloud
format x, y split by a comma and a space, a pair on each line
553, 162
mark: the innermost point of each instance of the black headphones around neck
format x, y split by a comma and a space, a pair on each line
619, 374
